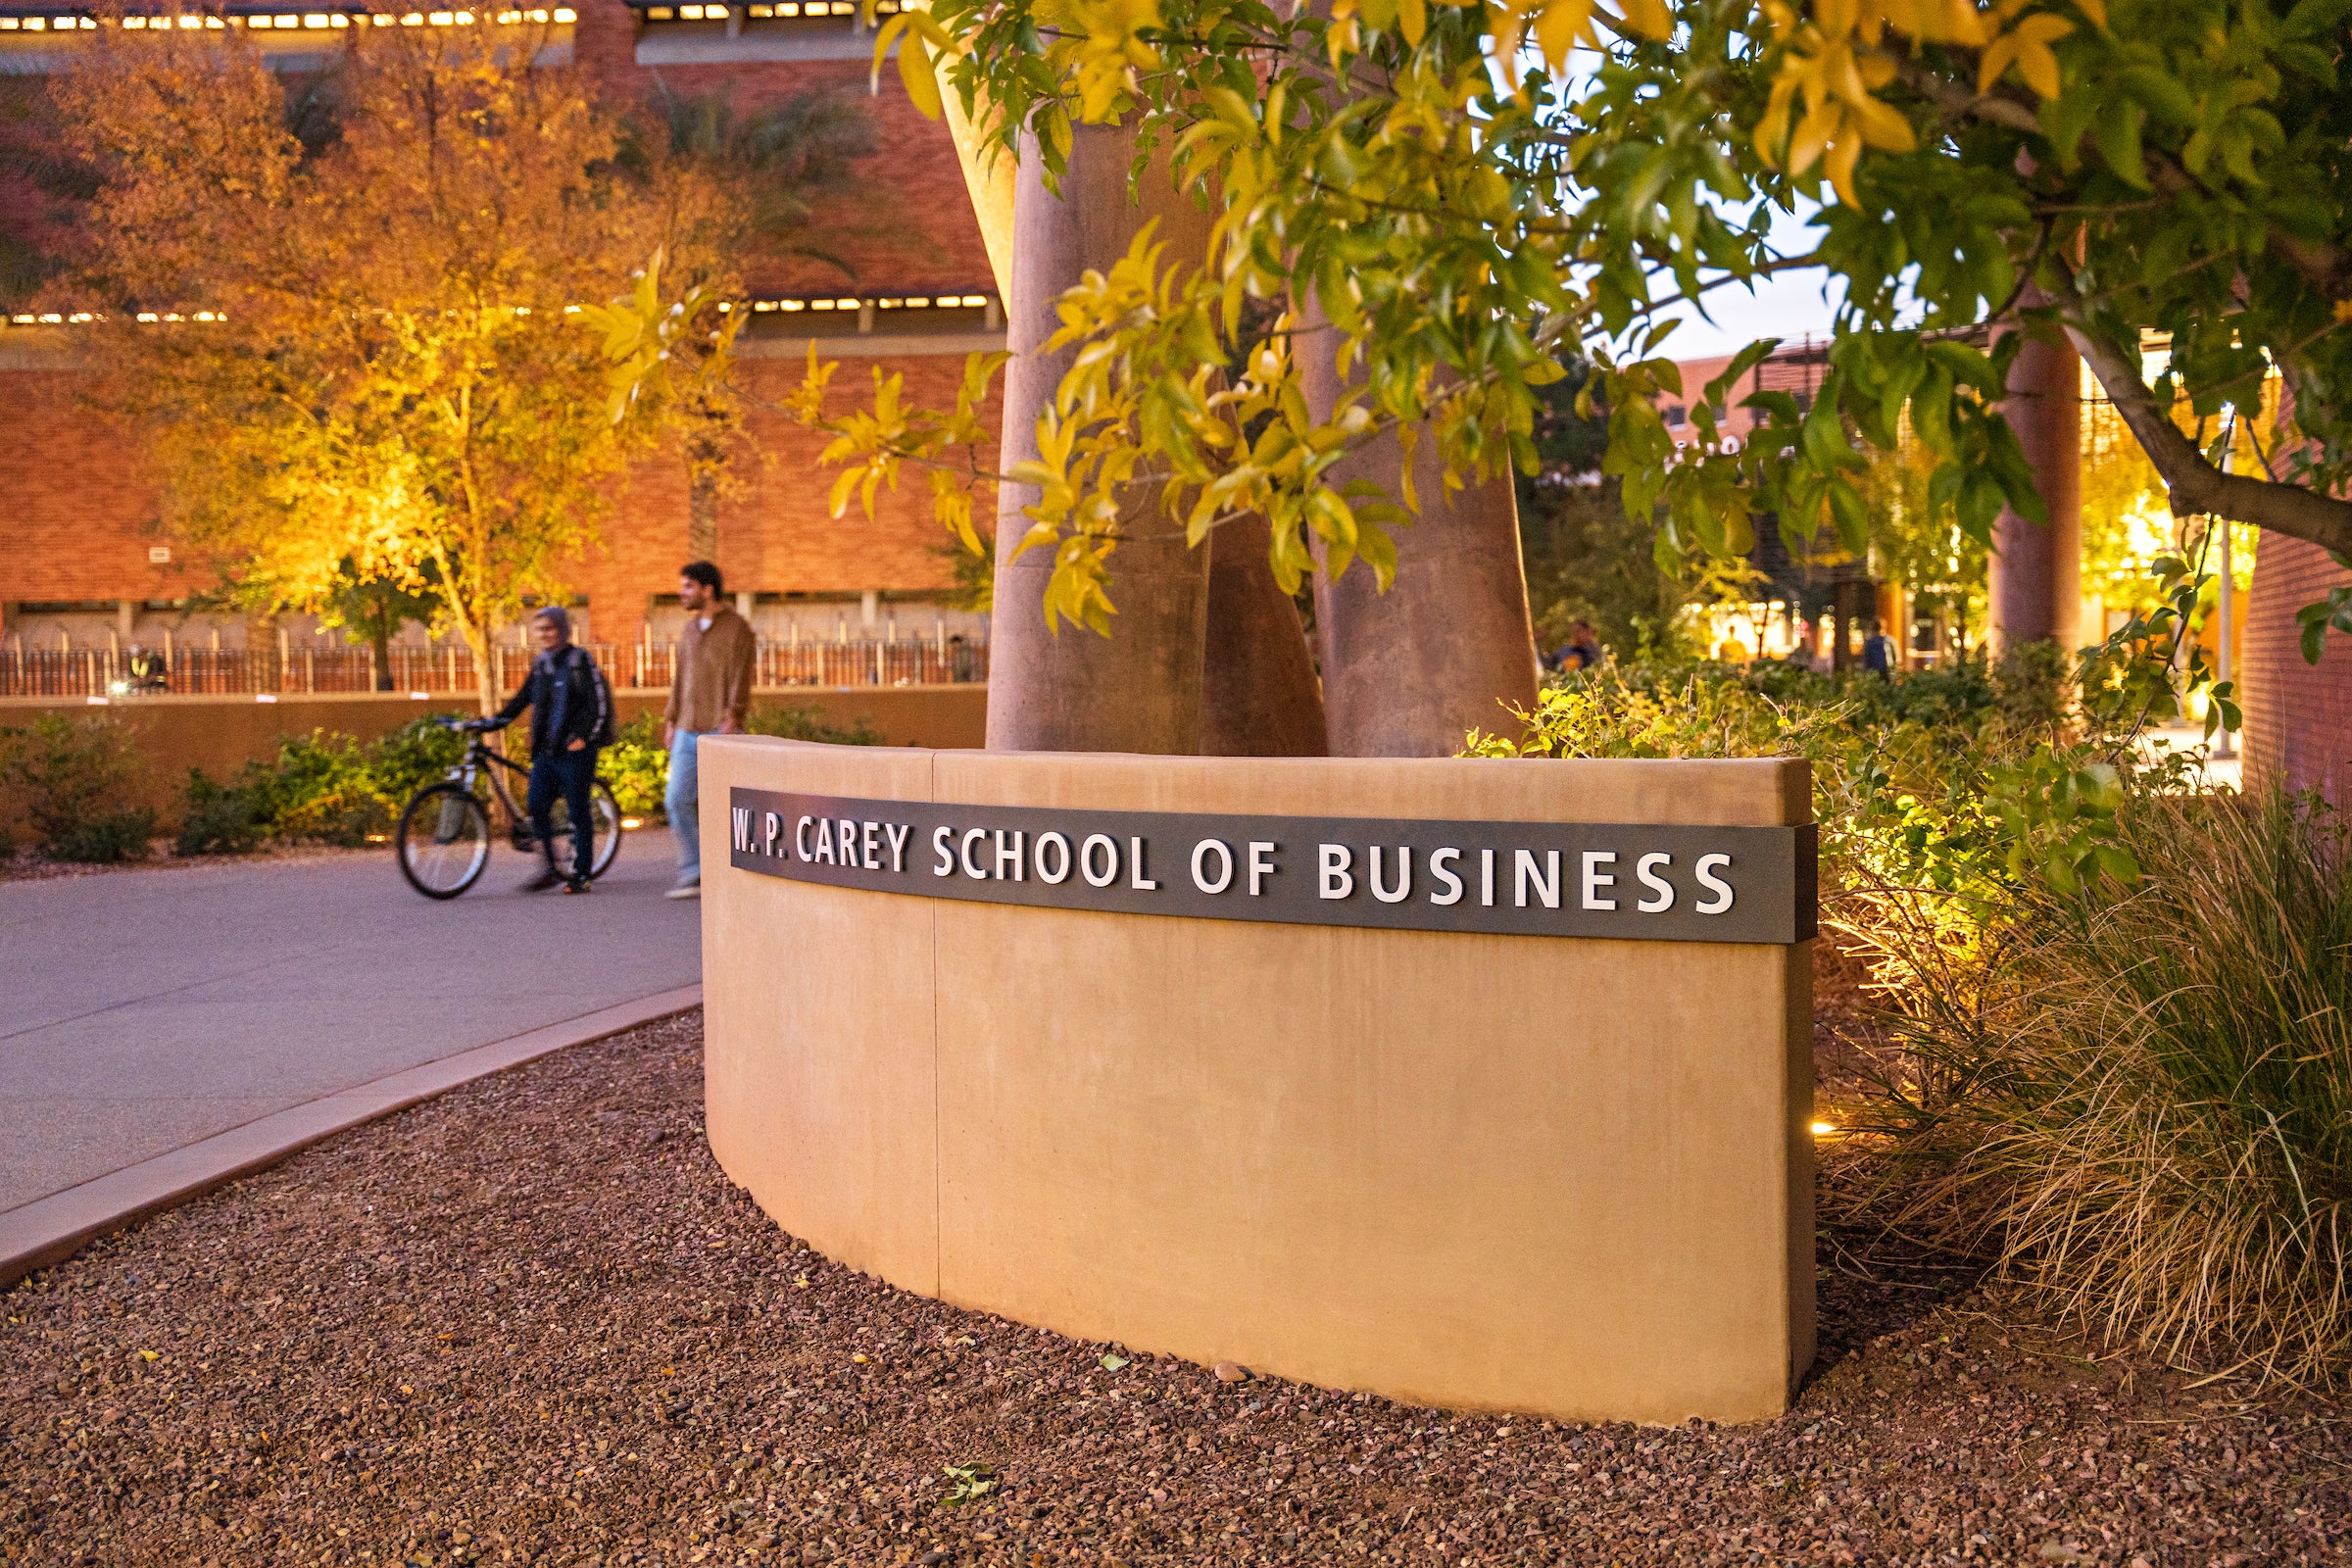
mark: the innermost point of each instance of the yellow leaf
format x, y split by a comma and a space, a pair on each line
1557, 27
151, 1355
1648, 18
915, 71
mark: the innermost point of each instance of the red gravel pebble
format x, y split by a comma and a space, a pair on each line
533, 1322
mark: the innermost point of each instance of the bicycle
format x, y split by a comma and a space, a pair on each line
444, 834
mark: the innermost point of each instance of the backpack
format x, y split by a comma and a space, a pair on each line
605, 734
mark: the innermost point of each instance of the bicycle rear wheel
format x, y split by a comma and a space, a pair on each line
607, 832
444, 841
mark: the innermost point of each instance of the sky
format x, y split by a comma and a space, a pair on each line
1788, 304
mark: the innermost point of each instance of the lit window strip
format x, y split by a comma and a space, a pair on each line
885, 302
765, 12
829, 303
310, 20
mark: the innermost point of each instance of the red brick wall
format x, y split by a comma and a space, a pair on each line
78, 521
75, 520
907, 230
775, 531
2298, 717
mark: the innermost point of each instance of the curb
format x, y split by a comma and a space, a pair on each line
49, 1230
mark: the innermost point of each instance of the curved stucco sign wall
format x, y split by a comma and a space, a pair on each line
1474, 1083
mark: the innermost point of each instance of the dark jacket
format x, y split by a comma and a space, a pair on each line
581, 700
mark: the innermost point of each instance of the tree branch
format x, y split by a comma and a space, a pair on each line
2195, 485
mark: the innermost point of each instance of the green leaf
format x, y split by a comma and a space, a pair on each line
2118, 136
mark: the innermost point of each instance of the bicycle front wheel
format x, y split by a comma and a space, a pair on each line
607, 829
444, 841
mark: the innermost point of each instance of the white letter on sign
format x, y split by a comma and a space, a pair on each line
971, 868
1057, 872
1644, 869
1546, 880
1224, 866
1404, 875
939, 847
742, 828
897, 833
1594, 881
1261, 866
1439, 860
1705, 872
1108, 861
800, 838
1338, 880
1135, 867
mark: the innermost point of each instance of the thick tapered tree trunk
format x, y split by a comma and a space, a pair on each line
702, 515
1449, 648
1259, 693
1138, 689
2034, 587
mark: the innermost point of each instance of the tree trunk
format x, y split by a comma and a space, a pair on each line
702, 514
1259, 694
1449, 648
2034, 578
1138, 689
380, 643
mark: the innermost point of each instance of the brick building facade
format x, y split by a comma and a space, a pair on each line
83, 556
2298, 716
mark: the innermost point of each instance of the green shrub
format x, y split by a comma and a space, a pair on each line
636, 767
322, 788
2140, 1101
810, 724
73, 781
416, 755
216, 818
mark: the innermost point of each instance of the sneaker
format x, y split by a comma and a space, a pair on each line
577, 884
685, 889
543, 881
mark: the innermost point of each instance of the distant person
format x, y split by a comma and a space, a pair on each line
1581, 649
572, 717
964, 663
1878, 653
147, 671
710, 693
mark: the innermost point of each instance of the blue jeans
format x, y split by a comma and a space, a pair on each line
679, 799
569, 775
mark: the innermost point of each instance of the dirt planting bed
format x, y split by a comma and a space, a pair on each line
533, 1322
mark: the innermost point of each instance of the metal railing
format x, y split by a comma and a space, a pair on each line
447, 671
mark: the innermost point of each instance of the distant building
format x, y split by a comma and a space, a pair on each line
84, 563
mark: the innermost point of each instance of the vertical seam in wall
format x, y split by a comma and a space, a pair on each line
939, 1281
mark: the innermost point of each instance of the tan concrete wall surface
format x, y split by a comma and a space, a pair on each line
1526, 1173
221, 734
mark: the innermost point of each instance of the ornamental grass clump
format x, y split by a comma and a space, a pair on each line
2138, 1099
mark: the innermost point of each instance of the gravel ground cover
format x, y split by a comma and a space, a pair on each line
533, 1322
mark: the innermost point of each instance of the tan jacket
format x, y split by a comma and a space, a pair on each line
711, 683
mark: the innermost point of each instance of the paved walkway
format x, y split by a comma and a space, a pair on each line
143, 1011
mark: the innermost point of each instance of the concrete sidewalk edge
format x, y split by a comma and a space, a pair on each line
49, 1230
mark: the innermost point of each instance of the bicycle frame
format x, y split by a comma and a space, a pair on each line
470, 768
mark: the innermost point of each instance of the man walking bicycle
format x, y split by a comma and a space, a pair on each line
571, 718
710, 693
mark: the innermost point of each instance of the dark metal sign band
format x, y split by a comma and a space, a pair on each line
1561, 879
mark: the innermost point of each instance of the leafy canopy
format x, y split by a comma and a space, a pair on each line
1445, 202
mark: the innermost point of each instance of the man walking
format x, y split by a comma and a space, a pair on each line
572, 717
709, 692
